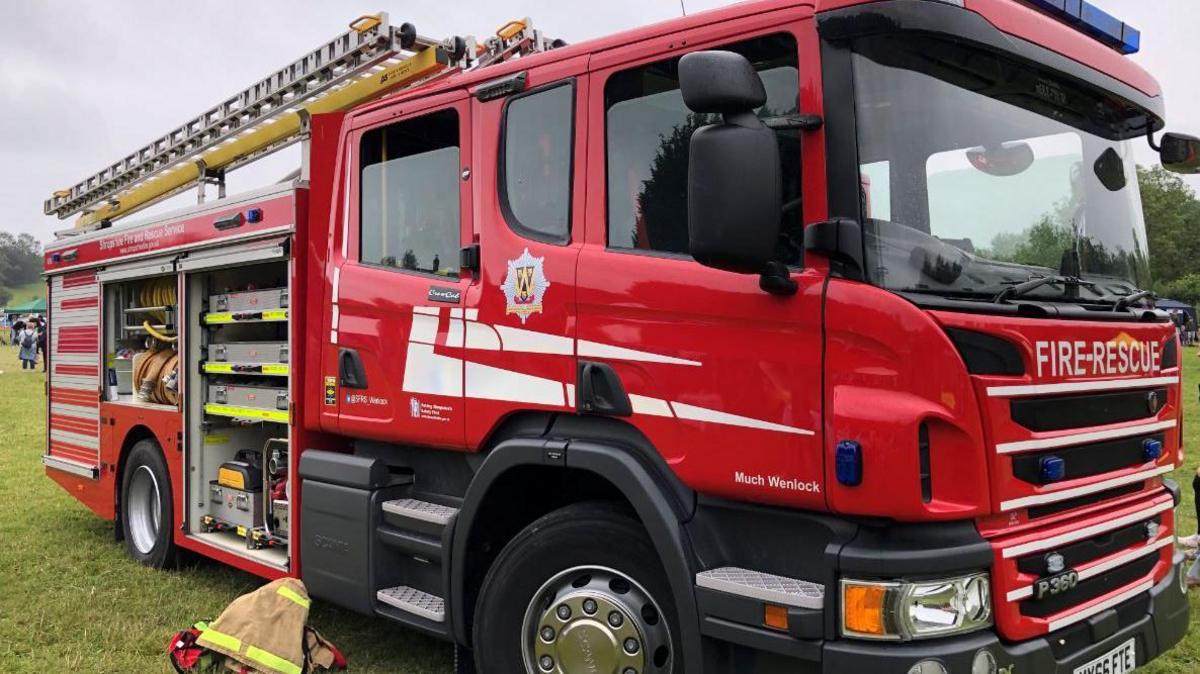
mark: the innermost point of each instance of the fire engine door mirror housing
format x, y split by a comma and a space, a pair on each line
734, 183
1180, 153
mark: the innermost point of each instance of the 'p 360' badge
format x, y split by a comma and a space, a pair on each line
524, 286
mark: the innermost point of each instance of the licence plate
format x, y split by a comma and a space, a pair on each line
1119, 660
1057, 584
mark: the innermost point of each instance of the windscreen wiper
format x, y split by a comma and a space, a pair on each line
1025, 288
1124, 302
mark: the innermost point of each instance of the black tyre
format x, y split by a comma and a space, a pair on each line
147, 506
581, 589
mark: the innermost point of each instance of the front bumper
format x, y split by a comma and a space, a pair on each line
1156, 621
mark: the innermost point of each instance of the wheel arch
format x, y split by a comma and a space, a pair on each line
588, 458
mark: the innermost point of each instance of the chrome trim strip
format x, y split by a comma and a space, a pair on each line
1107, 565
1054, 497
1081, 438
1102, 606
1086, 532
1078, 386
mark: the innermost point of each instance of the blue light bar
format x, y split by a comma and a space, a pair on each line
1095, 22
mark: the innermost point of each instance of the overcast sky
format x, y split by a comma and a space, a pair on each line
83, 83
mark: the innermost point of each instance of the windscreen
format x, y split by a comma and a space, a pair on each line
979, 172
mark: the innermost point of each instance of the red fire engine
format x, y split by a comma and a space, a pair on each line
791, 336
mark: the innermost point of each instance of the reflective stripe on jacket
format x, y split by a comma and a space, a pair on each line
263, 629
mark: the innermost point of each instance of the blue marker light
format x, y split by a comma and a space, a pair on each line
849, 463
1095, 22
254, 215
1053, 468
1152, 449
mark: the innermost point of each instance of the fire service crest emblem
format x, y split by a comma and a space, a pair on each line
524, 286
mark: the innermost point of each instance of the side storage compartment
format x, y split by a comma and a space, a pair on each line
341, 497
240, 404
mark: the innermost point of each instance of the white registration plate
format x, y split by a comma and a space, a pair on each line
1117, 661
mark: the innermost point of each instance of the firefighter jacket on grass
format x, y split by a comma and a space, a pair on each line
265, 630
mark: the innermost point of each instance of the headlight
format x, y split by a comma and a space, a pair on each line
904, 610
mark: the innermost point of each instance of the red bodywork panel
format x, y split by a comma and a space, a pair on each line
744, 394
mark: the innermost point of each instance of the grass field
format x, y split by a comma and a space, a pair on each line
70, 600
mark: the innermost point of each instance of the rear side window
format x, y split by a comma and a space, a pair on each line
648, 131
410, 195
536, 165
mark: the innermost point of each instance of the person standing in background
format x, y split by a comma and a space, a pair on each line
41, 340
27, 342
17, 326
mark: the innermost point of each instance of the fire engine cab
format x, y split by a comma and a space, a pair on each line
794, 336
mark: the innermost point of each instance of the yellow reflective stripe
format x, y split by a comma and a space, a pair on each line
223, 640
272, 661
227, 368
222, 317
289, 593
280, 416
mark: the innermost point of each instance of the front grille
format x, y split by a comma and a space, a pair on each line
1086, 590
1113, 553
1038, 512
1092, 549
1079, 411
1086, 460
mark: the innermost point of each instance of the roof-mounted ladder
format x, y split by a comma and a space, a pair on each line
370, 59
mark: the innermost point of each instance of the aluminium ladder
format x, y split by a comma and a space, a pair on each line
370, 59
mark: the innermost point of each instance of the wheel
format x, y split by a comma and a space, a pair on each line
147, 507
579, 590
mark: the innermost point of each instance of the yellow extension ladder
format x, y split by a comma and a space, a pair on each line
370, 59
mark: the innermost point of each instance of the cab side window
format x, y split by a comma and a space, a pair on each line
535, 168
648, 131
409, 191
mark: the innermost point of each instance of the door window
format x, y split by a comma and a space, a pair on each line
649, 129
536, 168
410, 195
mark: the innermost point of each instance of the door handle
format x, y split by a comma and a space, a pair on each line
601, 391
350, 369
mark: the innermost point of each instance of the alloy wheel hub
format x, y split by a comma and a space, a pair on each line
593, 620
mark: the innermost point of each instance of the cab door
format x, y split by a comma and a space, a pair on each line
395, 275
519, 341
723, 378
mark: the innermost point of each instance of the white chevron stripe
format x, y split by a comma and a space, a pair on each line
424, 329
589, 349
693, 413
655, 407
428, 372
529, 341
493, 383
482, 336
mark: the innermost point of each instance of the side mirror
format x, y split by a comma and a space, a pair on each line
734, 185
1180, 153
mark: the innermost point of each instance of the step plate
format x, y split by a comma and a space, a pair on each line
420, 510
414, 601
763, 586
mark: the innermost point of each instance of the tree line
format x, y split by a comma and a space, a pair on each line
1172, 214
20, 262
